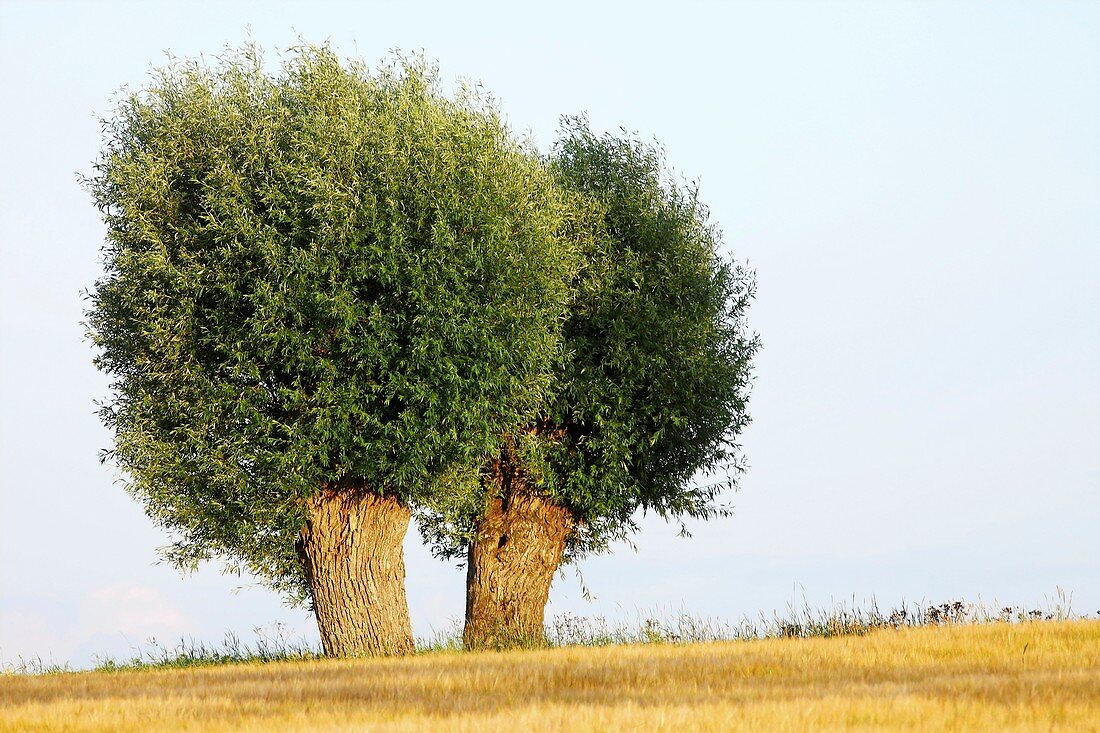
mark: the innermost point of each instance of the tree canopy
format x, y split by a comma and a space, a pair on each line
655, 382
652, 384
319, 275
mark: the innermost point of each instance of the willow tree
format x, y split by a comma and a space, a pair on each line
323, 288
649, 395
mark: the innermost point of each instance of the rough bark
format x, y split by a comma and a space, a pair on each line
351, 548
511, 563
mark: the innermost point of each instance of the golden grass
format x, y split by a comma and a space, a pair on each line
999, 677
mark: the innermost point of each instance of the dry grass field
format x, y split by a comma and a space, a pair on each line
998, 677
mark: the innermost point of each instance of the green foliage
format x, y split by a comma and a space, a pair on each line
652, 385
323, 275
656, 380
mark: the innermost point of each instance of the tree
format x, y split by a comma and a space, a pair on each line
323, 289
651, 389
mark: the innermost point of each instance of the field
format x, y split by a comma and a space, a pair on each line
994, 676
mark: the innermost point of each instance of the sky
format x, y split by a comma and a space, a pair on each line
917, 186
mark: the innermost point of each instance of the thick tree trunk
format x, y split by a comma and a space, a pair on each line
511, 563
351, 547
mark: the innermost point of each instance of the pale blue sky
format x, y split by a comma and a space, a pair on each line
917, 185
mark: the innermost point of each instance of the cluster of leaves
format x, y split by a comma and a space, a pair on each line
325, 275
655, 383
653, 378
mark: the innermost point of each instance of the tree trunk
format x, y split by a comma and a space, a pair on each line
511, 563
351, 547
